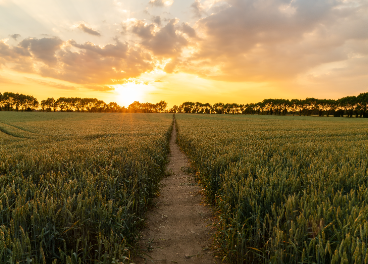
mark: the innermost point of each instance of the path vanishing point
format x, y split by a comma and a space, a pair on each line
178, 228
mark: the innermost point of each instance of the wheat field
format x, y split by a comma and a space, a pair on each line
287, 189
75, 186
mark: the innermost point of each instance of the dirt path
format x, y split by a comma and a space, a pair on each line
177, 229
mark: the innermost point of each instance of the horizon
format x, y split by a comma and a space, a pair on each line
350, 105
185, 102
209, 51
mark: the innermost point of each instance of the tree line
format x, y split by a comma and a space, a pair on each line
350, 106
15, 101
20, 102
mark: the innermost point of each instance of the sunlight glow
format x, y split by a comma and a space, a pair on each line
130, 92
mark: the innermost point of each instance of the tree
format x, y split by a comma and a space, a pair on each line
218, 108
161, 106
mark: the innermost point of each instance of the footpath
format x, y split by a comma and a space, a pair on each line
178, 228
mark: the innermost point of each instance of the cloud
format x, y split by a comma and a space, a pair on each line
95, 65
170, 67
187, 29
5, 51
157, 20
166, 42
8, 53
197, 8
19, 57
88, 30
143, 30
42, 49
160, 3
117, 50
15, 36
277, 40
51, 84
84, 64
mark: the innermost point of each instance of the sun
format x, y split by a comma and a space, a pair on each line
129, 92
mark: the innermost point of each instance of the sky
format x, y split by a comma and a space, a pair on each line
230, 51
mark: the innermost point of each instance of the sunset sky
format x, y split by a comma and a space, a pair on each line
212, 51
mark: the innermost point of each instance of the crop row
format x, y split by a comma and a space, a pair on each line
75, 187
288, 190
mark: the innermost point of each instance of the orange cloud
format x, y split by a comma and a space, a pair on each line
88, 65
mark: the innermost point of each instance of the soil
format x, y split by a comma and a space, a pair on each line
179, 227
